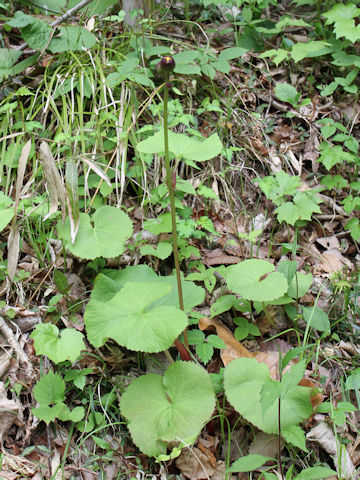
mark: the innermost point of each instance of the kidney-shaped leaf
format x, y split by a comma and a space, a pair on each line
66, 346
112, 227
170, 408
256, 280
132, 319
182, 146
108, 283
244, 379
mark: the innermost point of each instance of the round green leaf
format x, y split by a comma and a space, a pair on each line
58, 347
170, 408
133, 320
112, 227
244, 379
162, 251
256, 280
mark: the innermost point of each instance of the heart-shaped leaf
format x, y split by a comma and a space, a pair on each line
256, 280
133, 318
172, 408
58, 347
244, 379
112, 227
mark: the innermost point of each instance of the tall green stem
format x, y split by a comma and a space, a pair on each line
170, 174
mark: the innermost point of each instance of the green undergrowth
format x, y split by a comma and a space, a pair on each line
111, 164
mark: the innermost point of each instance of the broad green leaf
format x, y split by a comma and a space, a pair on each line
293, 377
333, 154
256, 280
354, 225
249, 463
288, 212
244, 380
315, 473
310, 49
20, 20
300, 284
296, 436
36, 34
287, 93
112, 227
341, 12
72, 38
162, 251
132, 319
106, 286
195, 336
7, 59
166, 409
50, 389
187, 69
74, 415
215, 341
204, 351
183, 146
317, 318
278, 55
232, 53
6, 210
58, 346
186, 56
288, 268
49, 414
160, 224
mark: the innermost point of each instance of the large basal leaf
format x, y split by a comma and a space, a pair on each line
108, 283
183, 146
170, 408
244, 379
133, 319
106, 238
256, 280
66, 346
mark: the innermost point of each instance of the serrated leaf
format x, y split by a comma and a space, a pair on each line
195, 336
204, 351
58, 346
50, 389
162, 251
296, 436
333, 154
244, 379
256, 280
288, 212
7, 59
168, 409
215, 341
112, 227
133, 320
49, 414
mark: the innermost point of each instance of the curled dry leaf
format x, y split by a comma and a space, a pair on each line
324, 436
53, 181
13, 246
234, 349
194, 464
9, 410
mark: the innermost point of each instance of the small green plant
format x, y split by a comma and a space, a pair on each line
280, 187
